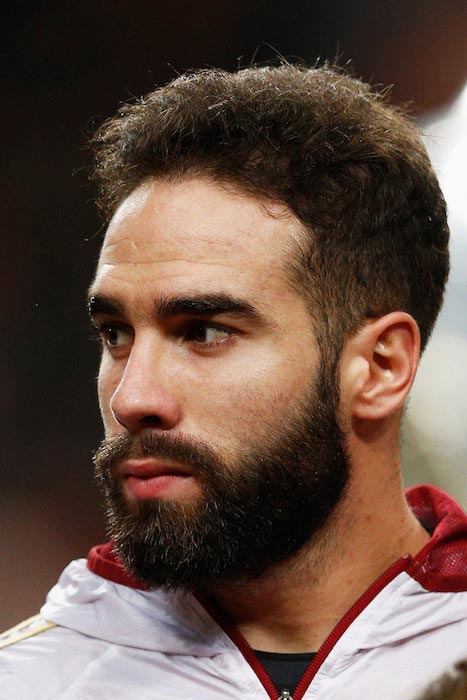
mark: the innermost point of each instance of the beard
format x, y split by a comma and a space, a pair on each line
252, 512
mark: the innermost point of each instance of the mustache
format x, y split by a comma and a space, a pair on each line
191, 452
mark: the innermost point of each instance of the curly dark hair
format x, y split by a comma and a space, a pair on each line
349, 166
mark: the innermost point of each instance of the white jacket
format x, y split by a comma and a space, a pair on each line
102, 635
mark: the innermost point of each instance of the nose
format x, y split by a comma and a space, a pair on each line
143, 398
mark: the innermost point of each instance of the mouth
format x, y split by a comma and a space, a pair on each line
150, 479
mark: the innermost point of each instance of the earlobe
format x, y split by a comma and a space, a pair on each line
383, 359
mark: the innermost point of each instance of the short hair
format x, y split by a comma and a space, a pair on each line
351, 168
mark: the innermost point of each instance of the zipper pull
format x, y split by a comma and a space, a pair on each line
285, 695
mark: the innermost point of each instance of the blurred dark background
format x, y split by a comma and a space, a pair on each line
67, 66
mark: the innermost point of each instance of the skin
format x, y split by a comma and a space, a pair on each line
226, 382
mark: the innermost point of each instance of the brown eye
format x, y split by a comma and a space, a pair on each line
206, 334
114, 336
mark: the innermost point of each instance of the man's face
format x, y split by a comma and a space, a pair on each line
222, 453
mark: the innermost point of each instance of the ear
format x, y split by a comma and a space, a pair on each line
378, 366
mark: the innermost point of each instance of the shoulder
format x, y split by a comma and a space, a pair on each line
39, 659
25, 659
28, 628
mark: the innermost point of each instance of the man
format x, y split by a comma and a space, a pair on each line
275, 259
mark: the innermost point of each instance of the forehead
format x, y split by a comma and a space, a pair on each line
196, 231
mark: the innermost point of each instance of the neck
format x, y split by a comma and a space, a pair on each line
295, 605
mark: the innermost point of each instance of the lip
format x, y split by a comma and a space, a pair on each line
150, 468
154, 479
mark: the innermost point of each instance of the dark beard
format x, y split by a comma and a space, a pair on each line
250, 515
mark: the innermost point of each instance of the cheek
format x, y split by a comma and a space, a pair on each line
246, 400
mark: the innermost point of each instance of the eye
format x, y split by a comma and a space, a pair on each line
114, 336
204, 334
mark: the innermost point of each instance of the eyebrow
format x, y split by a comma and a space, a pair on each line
97, 304
186, 305
208, 305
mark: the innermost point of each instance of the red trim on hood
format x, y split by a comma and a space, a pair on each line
103, 561
442, 564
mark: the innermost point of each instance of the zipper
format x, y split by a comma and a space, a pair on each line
285, 695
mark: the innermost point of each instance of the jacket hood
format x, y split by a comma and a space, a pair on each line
175, 623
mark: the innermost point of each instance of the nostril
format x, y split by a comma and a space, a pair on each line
151, 422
